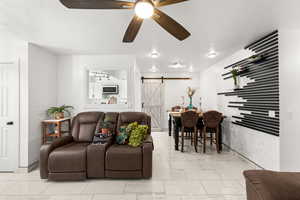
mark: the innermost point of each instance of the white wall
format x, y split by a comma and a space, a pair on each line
175, 89
259, 147
13, 49
137, 88
73, 84
289, 74
42, 94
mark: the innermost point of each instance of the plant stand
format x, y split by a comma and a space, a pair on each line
57, 130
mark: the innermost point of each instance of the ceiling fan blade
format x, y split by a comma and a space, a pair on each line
97, 4
170, 25
133, 29
169, 2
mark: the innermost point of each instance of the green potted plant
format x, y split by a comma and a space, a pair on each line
59, 112
257, 58
235, 74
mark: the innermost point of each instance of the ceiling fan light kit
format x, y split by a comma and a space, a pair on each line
143, 9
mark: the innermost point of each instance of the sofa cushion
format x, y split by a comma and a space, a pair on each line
123, 157
68, 158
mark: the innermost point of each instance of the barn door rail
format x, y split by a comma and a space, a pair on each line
164, 78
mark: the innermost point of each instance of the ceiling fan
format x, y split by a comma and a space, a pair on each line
143, 9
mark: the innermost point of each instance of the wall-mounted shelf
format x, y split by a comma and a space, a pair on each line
262, 95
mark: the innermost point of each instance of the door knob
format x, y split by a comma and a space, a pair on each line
10, 123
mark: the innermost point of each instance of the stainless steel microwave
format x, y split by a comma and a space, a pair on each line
110, 89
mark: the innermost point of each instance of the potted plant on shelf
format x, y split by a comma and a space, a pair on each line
191, 93
257, 58
235, 76
59, 112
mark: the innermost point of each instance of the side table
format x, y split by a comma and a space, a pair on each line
57, 130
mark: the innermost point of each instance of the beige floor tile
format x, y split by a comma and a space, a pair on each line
203, 175
24, 188
58, 188
184, 187
203, 197
71, 197
115, 197
105, 187
169, 174
24, 197
223, 187
159, 197
235, 197
144, 187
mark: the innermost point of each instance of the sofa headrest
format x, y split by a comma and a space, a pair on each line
129, 117
84, 126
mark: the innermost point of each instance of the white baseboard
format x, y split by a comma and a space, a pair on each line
28, 169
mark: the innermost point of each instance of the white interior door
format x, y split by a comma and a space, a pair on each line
9, 117
153, 102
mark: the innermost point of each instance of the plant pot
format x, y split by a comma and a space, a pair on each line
59, 115
237, 83
104, 131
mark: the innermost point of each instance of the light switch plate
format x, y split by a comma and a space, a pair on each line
272, 113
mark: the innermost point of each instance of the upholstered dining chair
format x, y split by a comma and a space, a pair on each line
211, 122
189, 121
189, 132
194, 108
176, 108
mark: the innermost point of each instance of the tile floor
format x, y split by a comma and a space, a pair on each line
176, 176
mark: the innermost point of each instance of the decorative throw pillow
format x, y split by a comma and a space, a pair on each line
122, 136
138, 135
131, 127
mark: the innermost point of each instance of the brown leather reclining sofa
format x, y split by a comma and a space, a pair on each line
74, 157
270, 185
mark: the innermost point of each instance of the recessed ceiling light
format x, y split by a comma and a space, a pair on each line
154, 54
212, 54
177, 65
153, 69
191, 68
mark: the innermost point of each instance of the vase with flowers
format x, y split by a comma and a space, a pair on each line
191, 93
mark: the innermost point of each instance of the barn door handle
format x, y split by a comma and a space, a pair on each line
10, 123
143, 105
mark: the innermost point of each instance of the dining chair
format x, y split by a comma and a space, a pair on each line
189, 121
211, 122
189, 132
176, 108
194, 108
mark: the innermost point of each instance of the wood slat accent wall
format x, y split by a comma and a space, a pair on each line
262, 95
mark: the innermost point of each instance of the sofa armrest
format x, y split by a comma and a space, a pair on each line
147, 156
269, 185
148, 139
47, 149
96, 159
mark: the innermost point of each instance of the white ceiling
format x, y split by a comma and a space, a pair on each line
225, 25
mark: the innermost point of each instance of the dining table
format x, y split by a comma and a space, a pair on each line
175, 123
